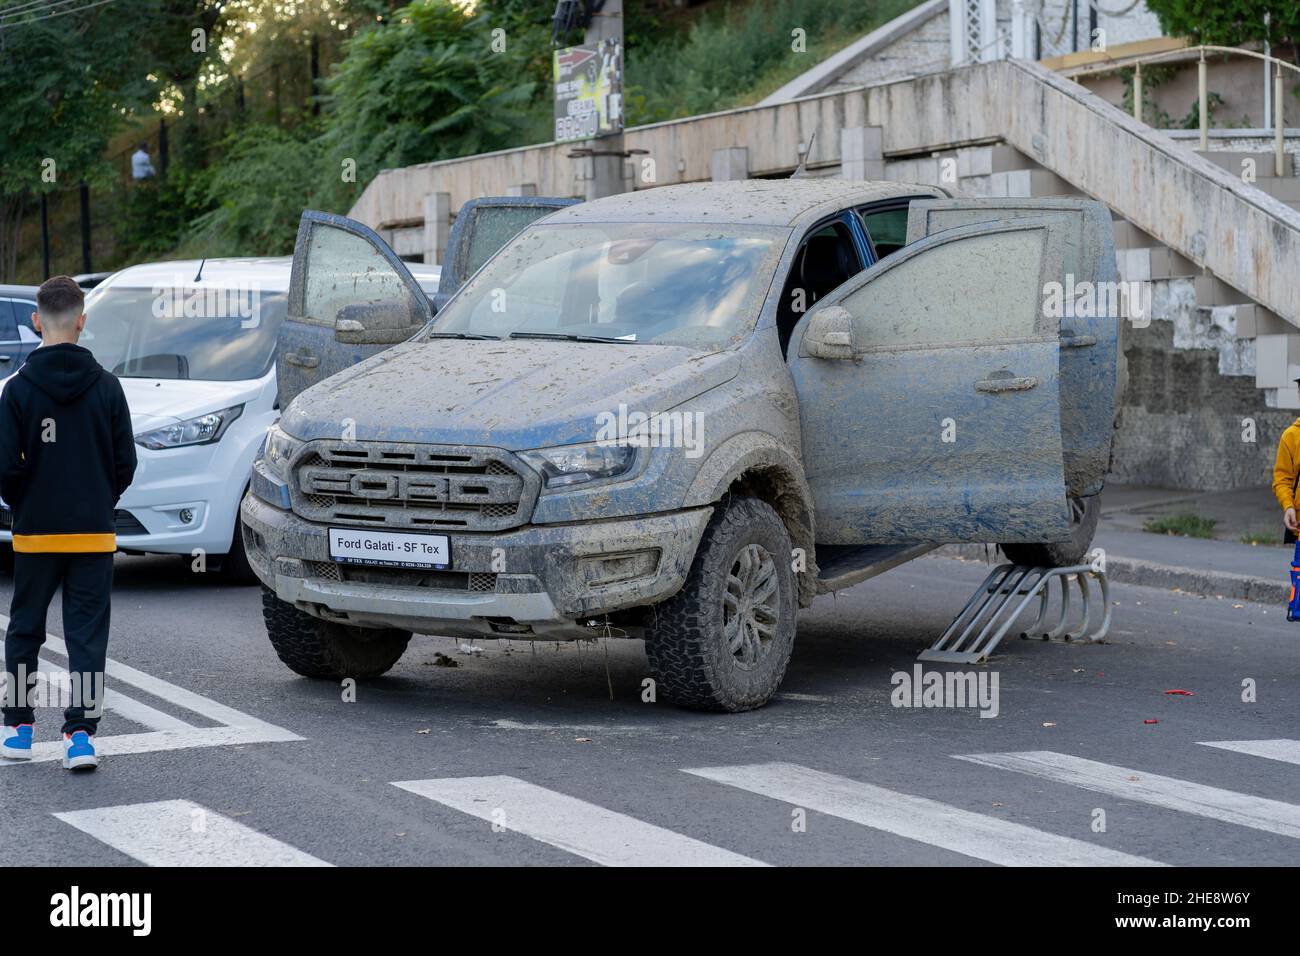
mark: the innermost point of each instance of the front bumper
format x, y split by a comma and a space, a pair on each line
536, 581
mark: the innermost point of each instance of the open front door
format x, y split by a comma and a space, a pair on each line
1088, 303
928, 393
350, 296
482, 227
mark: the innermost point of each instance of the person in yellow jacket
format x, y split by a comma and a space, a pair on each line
1286, 475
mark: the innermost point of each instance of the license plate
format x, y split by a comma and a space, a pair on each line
393, 549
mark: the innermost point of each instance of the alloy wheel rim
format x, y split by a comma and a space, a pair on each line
751, 606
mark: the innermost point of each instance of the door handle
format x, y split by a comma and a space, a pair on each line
6, 358
1006, 383
303, 359
1070, 340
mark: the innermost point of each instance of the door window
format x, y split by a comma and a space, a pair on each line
344, 269
887, 229
825, 261
8, 328
984, 297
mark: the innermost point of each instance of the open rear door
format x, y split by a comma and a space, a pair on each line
482, 227
928, 393
1089, 300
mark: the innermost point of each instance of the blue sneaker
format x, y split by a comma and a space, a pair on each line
78, 751
16, 742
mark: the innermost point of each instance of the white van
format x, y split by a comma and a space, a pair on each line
194, 345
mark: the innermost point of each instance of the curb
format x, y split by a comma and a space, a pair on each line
1199, 581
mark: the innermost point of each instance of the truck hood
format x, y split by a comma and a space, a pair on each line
510, 394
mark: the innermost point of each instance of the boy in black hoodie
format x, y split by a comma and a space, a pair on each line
67, 453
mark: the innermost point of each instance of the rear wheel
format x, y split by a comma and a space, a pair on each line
723, 641
327, 650
1084, 513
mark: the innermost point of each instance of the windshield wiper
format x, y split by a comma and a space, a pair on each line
568, 337
462, 335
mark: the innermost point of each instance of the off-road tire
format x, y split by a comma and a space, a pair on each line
1062, 554
690, 659
326, 650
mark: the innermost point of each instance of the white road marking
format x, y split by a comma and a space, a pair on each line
181, 833
1228, 806
572, 825
975, 835
1287, 751
165, 731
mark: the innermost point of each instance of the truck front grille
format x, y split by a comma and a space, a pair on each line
475, 581
413, 487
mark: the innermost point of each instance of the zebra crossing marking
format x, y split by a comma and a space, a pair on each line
183, 833
575, 826
1287, 751
1227, 806
164, 731
916, 818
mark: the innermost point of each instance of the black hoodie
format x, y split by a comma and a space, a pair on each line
67, 451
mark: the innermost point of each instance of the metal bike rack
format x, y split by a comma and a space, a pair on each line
993, 609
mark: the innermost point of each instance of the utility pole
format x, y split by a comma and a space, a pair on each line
607, 152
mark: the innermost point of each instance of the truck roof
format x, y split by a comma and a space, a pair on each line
767, 202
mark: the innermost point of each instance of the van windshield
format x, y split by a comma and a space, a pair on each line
662, 283
222, 334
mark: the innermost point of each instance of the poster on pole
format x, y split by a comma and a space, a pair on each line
588, 91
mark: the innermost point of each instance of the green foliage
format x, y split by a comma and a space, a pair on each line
729, 54
428, 86
1231, 22
1185, 525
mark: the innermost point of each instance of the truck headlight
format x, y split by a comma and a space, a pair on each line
279, 449
200, 430
567, 465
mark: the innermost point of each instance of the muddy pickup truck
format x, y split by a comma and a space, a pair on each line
678, 414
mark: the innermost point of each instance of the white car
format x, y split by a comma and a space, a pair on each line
194, 345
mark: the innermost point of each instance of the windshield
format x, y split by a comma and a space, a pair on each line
663, 283
201, 332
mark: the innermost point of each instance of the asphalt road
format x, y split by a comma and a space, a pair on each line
518, 755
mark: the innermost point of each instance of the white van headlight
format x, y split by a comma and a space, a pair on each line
566, 465
200, 430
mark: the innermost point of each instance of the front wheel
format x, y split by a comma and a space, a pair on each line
1084, 513
723, 641
325, 649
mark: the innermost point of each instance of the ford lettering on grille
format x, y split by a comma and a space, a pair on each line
399, 485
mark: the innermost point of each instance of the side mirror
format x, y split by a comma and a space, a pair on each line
830, 333
374, 323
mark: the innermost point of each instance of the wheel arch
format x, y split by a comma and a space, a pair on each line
754, 464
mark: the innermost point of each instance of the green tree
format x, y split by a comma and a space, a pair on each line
1233, 22
59, 106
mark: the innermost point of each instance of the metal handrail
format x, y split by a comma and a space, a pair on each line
1202, 83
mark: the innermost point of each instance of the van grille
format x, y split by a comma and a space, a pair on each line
414, 487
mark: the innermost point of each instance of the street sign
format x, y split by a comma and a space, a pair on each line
588, 91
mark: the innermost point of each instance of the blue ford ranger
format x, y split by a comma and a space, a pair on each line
677, 414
